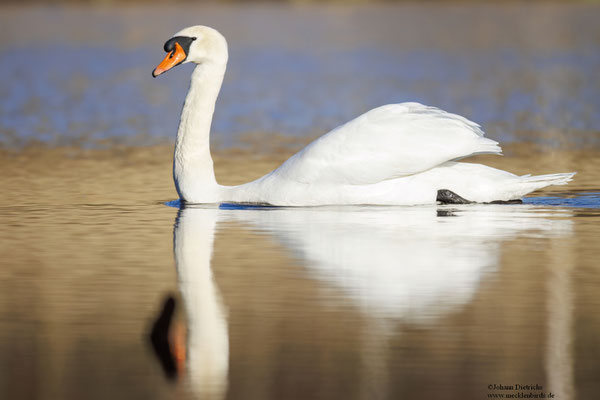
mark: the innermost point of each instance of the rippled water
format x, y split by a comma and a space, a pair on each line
576, 199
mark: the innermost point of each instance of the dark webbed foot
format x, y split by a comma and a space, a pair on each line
446, 196
514, 201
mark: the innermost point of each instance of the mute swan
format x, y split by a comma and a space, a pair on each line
397, 154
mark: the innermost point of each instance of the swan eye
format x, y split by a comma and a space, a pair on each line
184, 42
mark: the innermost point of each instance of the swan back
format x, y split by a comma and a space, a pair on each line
385, 143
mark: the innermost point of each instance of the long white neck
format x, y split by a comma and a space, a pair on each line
193, 170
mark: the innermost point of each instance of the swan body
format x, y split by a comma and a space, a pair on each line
397, 154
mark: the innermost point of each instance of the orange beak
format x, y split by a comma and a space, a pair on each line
172, 59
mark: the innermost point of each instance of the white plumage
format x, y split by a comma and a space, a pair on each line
398, 154
385, 143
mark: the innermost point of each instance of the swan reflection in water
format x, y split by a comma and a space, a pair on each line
414, 263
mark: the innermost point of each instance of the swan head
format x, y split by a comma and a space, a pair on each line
198, 44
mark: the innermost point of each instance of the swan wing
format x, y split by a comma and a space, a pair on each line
385, 143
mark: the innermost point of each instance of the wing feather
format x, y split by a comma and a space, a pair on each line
385, 143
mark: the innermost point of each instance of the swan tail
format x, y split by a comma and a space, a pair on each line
528, 183
547, 180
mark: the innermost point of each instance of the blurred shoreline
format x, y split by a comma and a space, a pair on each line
79, 75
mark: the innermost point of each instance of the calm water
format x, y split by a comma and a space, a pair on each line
80, 75
258, 303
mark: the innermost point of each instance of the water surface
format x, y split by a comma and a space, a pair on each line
323, 302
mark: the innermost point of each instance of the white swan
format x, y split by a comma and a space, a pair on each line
398, 154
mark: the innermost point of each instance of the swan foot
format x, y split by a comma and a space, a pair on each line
446, 196
513, 201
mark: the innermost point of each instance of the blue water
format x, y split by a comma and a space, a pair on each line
75, 88
583, 199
